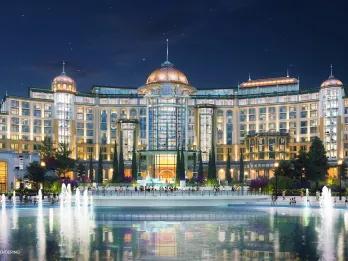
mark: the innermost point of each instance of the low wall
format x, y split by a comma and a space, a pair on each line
175, 201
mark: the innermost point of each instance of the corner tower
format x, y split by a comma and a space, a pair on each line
331, 116
64, 89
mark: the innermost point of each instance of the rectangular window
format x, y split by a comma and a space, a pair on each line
304, 111
282, 113
242, 115
262, 127
252, 129
37, 110
292, 112
282, 127
304, 127
252, 114
271, 127
262, 114
271, 113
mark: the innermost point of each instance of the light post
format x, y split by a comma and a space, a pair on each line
276, 165
339, 163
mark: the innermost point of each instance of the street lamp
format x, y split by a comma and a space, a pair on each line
339, 163
276, 165
43, 164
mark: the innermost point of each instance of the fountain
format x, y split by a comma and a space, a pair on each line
39, 196
14, 198
326, 225
65, 195
3, 201
326, 200
85, 197
68, 194
62, 195
307, 197
77, 197
51, 220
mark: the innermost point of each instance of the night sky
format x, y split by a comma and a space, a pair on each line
216, 43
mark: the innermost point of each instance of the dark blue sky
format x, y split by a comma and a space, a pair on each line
216, 43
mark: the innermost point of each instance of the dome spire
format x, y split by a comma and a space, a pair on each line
331, 71
63, 67
167, 50
167, 63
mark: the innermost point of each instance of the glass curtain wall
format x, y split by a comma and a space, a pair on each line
206, 116
128, 136
167, 118
64, 111
330, 107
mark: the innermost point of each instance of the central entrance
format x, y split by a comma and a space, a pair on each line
165, 167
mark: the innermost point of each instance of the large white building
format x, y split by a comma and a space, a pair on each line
268, 119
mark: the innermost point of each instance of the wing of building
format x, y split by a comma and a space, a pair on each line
268, 119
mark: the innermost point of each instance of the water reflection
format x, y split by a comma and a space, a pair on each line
105, 234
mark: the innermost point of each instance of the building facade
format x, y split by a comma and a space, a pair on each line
268, 119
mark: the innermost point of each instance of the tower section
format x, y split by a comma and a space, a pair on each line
330, 113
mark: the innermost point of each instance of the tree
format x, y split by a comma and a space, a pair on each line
134, 161
47, 152
317, 162
115, 171
228, 168
212, 167
46, 148
301, 164
194, 161
64, 163
91, 169
36, 173
284, 169
182, 164
81, 170
100, 168
200, 174
121, 160
178, 166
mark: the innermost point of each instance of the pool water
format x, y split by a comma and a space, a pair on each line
226, 233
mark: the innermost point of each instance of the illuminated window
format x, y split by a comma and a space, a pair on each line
3, 176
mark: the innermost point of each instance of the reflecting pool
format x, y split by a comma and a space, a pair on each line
228, 233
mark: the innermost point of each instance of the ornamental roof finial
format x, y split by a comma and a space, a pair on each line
63, 67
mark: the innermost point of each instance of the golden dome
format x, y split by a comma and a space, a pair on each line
63, 83
167, 73
331, 82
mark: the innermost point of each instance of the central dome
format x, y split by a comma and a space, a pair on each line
331, 82
63, 83
167, 73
